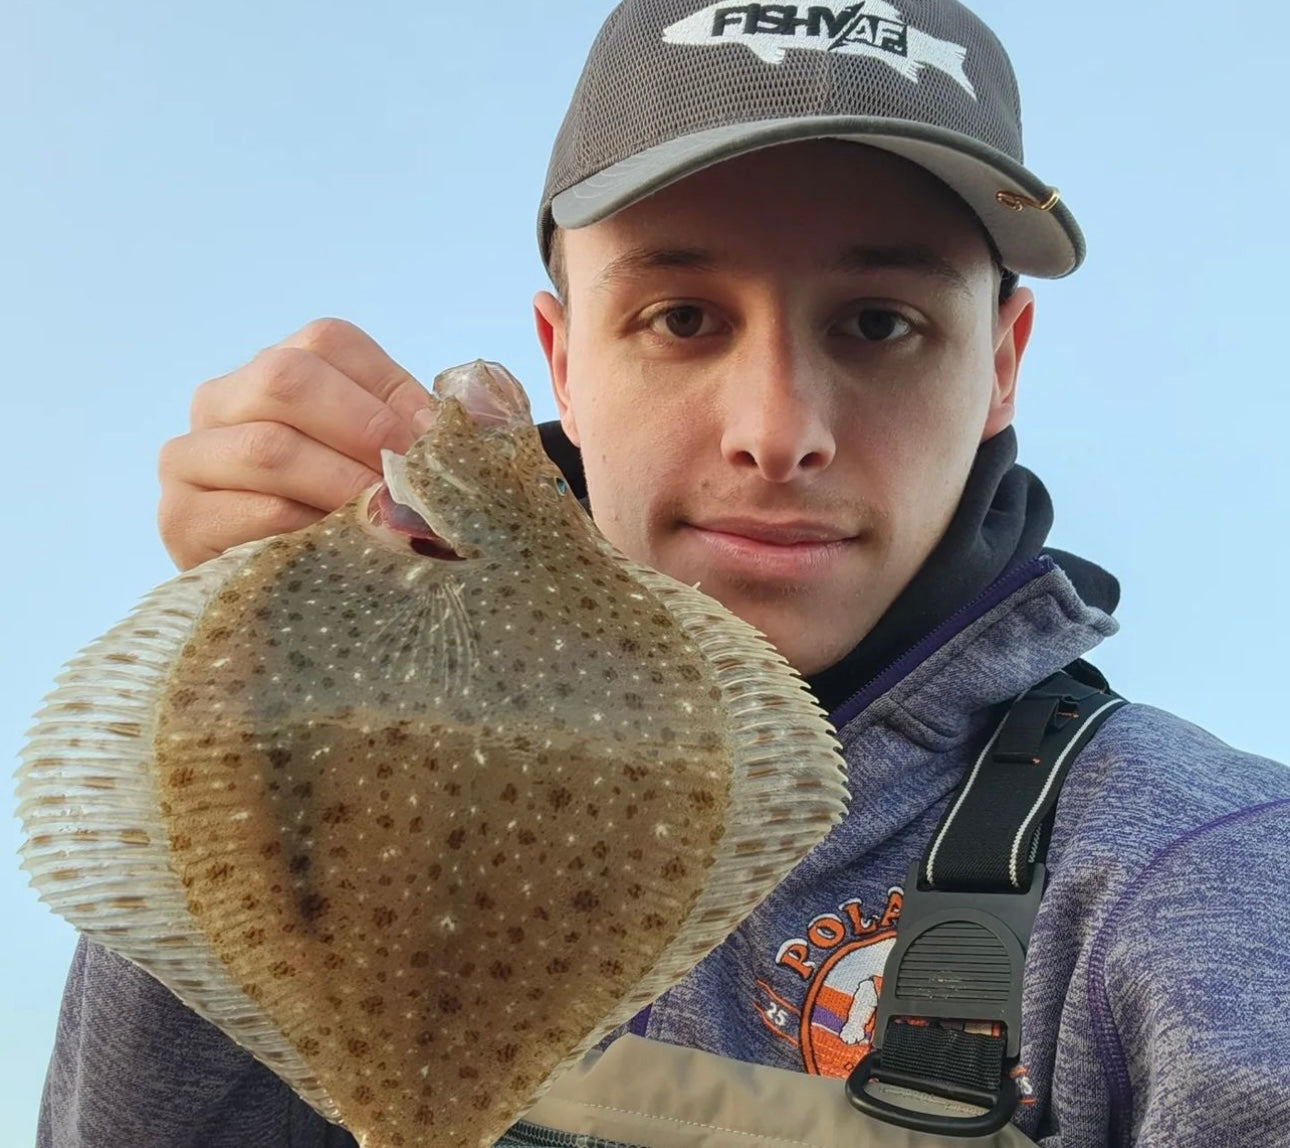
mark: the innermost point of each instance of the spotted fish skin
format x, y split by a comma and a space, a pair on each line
331, 829
443, 815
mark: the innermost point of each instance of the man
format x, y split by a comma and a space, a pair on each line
786, 340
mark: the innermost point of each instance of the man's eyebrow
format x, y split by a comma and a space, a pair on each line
904, 258
643, 260
862, 257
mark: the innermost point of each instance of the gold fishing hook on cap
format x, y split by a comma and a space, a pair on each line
1015, 201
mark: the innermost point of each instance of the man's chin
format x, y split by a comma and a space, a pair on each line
809, 623
810, 643
807, 658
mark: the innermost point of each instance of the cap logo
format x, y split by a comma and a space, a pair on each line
872, 28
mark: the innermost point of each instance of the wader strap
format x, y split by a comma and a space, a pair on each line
949, 1016
645, 1094
989, 836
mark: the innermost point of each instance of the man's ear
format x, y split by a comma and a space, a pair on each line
552, 333
1012, 333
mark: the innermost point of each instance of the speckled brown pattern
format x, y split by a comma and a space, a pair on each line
438, 802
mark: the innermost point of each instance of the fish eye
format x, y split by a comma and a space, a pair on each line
561, 487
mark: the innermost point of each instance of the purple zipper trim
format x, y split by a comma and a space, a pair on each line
1106, 1039
1007, 584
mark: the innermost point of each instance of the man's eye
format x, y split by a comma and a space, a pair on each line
878, 325
681, 321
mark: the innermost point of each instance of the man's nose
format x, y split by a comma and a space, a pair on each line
778, 413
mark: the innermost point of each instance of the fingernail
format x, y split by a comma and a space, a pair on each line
423, 420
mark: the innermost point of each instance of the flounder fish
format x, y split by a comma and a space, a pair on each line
419, 803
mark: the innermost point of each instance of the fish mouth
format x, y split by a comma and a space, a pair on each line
384, 512
395, 508
489, 394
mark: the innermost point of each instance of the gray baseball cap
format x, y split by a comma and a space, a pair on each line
674, 86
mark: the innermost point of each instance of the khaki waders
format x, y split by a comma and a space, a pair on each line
644, 1094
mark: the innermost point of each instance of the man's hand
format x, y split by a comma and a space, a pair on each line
284, 440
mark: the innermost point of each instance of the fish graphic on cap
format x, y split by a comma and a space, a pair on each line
420, 802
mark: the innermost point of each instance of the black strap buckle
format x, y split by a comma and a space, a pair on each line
958, 956
999, 1107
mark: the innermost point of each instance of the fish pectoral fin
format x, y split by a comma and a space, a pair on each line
455, 651
429, 639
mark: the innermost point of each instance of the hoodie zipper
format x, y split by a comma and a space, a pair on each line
1007, 584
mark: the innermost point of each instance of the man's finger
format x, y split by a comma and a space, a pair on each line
354, 352
294, 387
197, 525
265, 458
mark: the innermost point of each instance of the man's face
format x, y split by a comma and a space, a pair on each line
779, 371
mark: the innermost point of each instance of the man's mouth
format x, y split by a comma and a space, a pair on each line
784, 532
772, 549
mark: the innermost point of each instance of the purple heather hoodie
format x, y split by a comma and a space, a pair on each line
1157, 978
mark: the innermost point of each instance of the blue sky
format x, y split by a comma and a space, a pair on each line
186, 184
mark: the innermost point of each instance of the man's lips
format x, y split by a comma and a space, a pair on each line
788, 532
763, 549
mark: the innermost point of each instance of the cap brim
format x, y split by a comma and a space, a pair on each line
1041, 239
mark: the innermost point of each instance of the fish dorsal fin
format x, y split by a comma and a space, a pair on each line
89, 764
